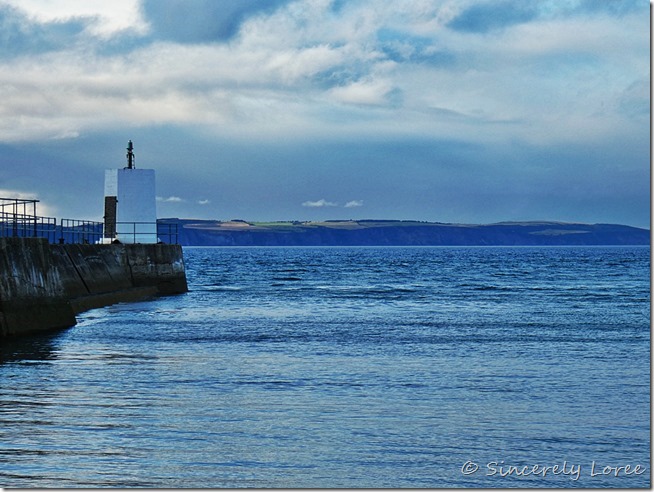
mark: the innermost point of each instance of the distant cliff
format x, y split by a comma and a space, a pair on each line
403, 233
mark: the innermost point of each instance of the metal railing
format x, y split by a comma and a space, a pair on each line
168, 232
80, 231
18, 206
21, 225
18, 219
146, 232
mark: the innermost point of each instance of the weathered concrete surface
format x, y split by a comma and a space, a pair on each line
43, 286
133, 294
100, 268
32, 296
161, 265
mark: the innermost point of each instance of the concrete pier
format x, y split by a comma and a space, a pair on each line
43, 286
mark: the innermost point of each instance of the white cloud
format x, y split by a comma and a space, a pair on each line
107, 17
20, 195
371, 92
319, 203
354, 203
306, 70
317, 76
204, 202
42, 209
170, 199
66, 134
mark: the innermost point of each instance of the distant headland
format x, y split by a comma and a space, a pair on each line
402, 233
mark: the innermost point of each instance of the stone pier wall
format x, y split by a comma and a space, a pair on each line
43, 286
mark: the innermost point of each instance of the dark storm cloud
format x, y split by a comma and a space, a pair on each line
494, 16
202, 21
612, 7
484, 17
20, 36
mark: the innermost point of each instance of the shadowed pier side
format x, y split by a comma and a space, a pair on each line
43, 286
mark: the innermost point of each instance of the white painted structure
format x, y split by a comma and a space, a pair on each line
130, 197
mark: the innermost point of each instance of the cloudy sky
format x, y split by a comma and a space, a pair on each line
470, 111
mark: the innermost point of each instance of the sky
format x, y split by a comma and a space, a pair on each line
466, 111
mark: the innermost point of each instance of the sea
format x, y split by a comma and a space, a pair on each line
347, 367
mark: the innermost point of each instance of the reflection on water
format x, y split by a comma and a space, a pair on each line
39, 347
344, 368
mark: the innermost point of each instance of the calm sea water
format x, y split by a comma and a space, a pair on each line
347, 367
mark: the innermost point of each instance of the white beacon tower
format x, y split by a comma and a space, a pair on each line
130, 205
